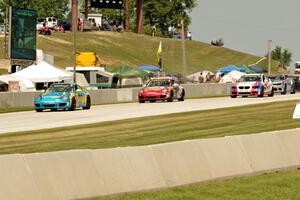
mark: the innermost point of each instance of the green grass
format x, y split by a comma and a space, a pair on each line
14, 109
273, 186
117, 49
158, 129
3, 71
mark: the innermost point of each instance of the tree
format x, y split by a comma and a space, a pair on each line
49, 8
283, 56
166, 13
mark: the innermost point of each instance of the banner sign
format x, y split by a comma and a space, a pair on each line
23, 34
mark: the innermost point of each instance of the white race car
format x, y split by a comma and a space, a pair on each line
252, 85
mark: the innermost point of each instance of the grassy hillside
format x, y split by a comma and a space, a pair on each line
117, 49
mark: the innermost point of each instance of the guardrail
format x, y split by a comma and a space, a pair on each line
106, 96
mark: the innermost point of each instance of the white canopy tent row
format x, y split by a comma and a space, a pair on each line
41, 73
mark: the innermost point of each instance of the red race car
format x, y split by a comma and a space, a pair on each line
161, 89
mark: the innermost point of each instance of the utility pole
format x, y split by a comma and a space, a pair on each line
269, 56
139, 15
126, 20
183, 49
74, 29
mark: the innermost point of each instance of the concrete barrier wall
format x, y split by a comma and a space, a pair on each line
182, 163
17, 99
224, 157
90, 173
106, 96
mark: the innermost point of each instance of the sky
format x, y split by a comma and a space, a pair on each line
247, 25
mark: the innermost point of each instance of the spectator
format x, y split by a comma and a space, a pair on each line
200, 78
153, 30
189, 35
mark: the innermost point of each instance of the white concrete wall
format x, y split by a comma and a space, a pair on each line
89, 173
106, 96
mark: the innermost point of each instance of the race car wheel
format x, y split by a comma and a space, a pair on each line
54, 109
284, 90
88, 103
271, 94
182, 96
152, 101
170, 99
141, 101
233, 96
73, 104
39, 110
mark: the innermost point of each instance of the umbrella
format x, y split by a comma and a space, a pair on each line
150, 68
258, 69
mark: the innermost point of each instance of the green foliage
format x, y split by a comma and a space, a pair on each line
166, 13
283, 56
276, 186
49, 8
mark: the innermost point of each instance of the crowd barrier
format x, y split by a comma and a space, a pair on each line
80, 174
107, 96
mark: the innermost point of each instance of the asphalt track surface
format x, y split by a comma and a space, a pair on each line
31, 120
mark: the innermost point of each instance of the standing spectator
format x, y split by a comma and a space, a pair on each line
200, 78
153, 30
189, 35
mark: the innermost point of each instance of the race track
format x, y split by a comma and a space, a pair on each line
31, 120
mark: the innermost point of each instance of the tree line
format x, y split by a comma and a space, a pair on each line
160, 13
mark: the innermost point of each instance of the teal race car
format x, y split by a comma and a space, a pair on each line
65, 96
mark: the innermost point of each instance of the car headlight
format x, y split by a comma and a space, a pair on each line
141, 90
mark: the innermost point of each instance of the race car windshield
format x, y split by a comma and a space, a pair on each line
158, 83
280, 78
59, 88
250, 78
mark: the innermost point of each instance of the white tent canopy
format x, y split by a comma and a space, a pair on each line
232, 77
43, 72
25, 84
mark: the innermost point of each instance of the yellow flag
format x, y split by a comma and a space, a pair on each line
158, 54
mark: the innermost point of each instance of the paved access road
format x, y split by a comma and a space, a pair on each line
31, 120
